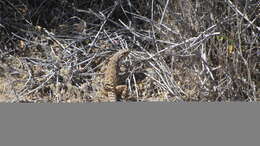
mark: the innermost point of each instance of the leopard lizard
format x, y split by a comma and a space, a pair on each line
111, 88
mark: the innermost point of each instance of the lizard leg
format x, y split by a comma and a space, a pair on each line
122, 91
112, 96
110, 92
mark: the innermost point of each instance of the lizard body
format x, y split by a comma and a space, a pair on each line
111, 87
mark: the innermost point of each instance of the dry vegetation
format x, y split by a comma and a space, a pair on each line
181, 50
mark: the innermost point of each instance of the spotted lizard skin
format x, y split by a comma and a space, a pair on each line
111, 89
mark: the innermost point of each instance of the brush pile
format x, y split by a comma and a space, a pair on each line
181, 50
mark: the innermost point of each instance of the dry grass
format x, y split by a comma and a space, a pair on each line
181, 50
